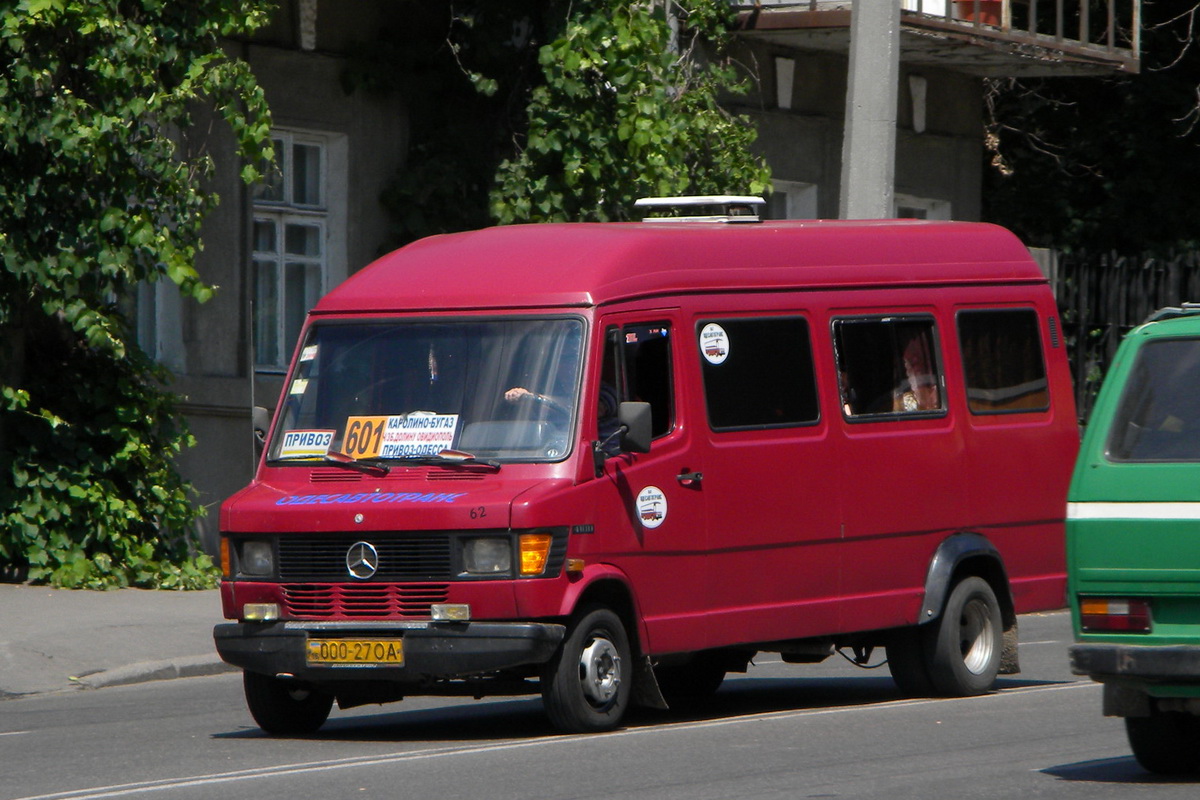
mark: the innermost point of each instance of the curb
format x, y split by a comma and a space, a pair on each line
146, 671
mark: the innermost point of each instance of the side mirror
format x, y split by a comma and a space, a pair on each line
260, 421
635, 420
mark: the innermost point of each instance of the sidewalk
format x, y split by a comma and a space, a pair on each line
56, 639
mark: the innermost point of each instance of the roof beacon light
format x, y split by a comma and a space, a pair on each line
715, 208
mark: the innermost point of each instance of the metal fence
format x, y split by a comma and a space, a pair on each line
1101, 297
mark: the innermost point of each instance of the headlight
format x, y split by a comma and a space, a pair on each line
257, 559
487, 556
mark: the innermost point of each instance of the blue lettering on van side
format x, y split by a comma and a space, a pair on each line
369, 497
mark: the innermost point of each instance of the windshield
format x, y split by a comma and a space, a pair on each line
496, 389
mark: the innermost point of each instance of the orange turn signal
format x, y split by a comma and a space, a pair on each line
535, 551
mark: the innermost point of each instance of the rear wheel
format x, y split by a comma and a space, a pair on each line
958, 655
963, 647
1166, 742
586, 686
285, 708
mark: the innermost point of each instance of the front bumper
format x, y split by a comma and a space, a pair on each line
1178, 664
432, 651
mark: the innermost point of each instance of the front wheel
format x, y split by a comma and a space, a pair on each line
586, 686
1166, 742
285, 708
963, 647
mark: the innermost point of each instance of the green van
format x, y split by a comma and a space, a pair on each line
1133, 542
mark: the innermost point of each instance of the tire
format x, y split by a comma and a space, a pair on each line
690, 683
1166, 742
586, 686
963, 647
906, 661
285, 708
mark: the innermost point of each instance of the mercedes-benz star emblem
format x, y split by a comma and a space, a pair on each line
362, 559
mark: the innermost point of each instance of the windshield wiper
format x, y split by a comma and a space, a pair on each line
379, 466
449, 457
369, 466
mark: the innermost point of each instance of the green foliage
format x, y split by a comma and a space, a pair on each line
605, 112
101, 191
621, 114
463, 74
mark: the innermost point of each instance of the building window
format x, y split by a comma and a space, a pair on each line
792, 200
758, 373
291, 263
907, 206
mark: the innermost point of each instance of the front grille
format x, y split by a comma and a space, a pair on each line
362, 601
402, 557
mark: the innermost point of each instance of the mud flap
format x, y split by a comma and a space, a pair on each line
1010, 662
645, 686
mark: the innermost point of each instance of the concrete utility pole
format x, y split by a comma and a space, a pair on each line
869, 143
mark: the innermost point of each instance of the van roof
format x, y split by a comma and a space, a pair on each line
584, 264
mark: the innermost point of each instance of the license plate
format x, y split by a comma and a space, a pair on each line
355, 651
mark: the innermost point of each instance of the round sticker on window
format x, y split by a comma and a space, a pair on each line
651, 507
714, 343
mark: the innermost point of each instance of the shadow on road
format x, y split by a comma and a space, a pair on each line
523, 719
1114, 770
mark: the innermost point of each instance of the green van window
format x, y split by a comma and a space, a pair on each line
1158, 418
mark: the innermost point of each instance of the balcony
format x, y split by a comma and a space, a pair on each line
986, 38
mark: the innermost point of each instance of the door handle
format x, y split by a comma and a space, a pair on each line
689, 478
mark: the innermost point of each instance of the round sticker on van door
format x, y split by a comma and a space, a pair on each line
651, 507
714, 343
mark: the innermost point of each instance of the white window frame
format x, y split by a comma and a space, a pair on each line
160, 323
280, 212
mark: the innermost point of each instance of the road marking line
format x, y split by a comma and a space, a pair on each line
302, 768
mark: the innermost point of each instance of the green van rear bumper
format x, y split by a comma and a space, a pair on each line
1176, 664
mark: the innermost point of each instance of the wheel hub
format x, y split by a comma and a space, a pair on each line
600, 671
975, 636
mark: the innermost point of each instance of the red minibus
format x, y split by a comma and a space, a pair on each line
611, 462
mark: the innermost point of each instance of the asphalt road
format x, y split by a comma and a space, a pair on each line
782, 731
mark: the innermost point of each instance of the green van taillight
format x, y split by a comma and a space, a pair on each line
1114, 615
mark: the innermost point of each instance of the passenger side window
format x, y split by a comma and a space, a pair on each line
637, 366
1003, 363
888, 366
758, 373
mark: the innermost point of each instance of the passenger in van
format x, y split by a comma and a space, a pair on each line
919, 389
849, 394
